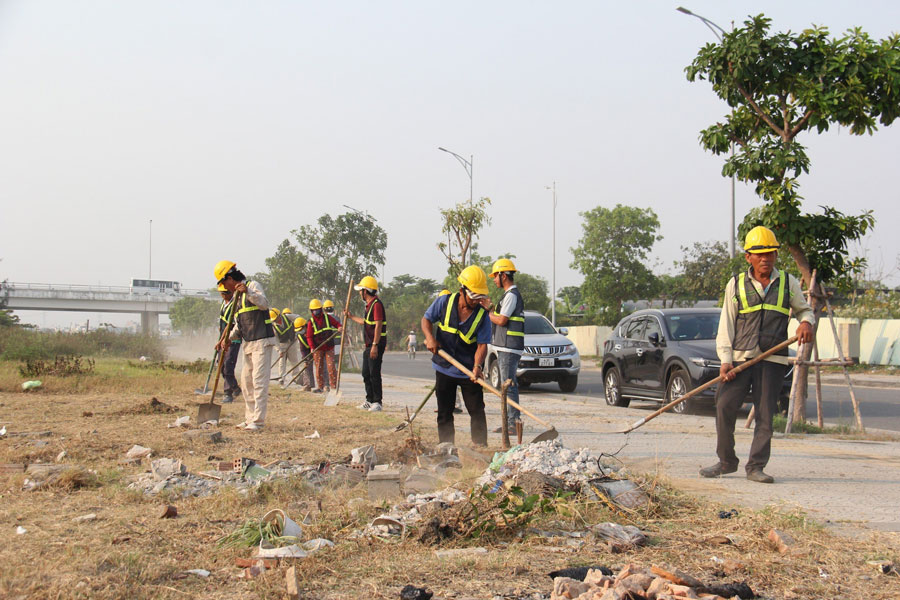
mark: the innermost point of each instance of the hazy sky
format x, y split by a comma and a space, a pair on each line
231, 123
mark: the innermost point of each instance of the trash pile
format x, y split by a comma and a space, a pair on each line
635, 582
549, 458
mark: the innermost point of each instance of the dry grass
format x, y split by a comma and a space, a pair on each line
129, 553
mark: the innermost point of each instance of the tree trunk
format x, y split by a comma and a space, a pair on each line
806, 350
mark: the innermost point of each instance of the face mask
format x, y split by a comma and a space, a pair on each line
316, 312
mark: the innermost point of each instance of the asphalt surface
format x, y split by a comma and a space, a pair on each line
879, 405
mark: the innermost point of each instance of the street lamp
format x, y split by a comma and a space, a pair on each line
713, 27
466, 164
553, 283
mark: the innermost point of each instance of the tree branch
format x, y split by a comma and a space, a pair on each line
801, 123
759, 110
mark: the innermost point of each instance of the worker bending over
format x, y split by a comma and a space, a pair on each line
287, 342
307, 379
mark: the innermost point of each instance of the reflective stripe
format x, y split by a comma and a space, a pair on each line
328, 326
244, 308
445, 326
283, 329
225, 311
518, 333
763, 306
369, 314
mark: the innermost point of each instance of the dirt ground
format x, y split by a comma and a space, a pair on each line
128, 552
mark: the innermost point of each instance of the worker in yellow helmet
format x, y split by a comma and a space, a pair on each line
319, 327
288, 353
254, 327
232, 389
463, 331
375, 337
307, 379
328, 309
755, 313
508, 331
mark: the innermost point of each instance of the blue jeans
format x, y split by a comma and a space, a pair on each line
509, 363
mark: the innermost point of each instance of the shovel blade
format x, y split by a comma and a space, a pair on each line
332, 398
203, 392
550, 434
208, 412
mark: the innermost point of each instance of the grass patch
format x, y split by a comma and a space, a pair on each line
779, 423
18, 343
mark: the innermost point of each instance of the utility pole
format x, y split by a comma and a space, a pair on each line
553, 281
150, 253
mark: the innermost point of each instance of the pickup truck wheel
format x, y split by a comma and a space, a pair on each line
612, 388
568, 383
679, 385
494, 373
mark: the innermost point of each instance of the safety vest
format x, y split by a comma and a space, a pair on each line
761, 321
253, 321
370, 323
512, 335
301, 337
224, 316
319, 334
283, 333
459, 344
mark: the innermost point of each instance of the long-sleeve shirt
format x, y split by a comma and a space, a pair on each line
257, 296
800, 310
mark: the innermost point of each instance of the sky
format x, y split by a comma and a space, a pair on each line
229, 124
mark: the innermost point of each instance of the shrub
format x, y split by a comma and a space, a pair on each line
24, 344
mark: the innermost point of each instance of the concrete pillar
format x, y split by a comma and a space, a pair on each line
150, 323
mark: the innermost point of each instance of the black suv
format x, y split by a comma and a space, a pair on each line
661, 354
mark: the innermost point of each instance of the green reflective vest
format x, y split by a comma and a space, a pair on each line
761, 321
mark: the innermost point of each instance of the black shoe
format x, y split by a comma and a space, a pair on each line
228, 398
717, 470
456, 411
758, 476
236, 393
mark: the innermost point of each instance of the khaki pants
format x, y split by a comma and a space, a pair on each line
289, 356
255, 372
321, 358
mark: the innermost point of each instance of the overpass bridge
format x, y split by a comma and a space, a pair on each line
89, 298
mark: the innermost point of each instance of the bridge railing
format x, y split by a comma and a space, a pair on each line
12, 286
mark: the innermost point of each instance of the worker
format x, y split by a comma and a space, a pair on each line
232, 389
254, 328
755, 312
328, 309
463, 331
306, 379
444, 292
508, 331
375, 337
319, 327
287, 342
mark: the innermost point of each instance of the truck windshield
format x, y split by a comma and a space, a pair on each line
535, 324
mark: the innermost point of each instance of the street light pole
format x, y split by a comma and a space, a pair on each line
150, 253
553, 281
468, 165
718, 32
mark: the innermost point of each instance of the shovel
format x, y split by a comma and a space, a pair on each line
409, 421
210, 411
333, 397
212, 365
550, 434
709, 384
302, 362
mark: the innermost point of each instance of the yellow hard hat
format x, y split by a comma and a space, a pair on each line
474, 279
760, 240
328, 304
503, 265
314, 304
299, 323
222, 268
367, 283
444, 293
273, 313
221, 288
286, 311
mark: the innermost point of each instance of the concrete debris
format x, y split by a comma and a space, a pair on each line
460, 552
364, 455
85, 518
292, 583
313, 546
137, 451
550, 458
184, 421
292, 551
201, 435
163, 468
384, 484
198, 572
782, 540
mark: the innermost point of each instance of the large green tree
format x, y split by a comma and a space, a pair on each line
285, 281
612, 257
406, 298
777, 87
193, 315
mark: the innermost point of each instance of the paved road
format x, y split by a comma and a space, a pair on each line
880, 406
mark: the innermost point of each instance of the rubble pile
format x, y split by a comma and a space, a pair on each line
550, 458
638, 583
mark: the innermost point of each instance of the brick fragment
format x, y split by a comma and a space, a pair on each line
782, 540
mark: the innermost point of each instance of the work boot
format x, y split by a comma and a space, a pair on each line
236, 392
228, 398
375, 407
758, 476
717, 470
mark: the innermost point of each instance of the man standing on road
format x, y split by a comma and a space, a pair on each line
508, 331
755, 313
287, 341
255, 329
318, 329
375, 337
463, 332
232, 389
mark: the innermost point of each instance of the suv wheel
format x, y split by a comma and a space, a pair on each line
612, 388
494, 373
568, 383
679, 385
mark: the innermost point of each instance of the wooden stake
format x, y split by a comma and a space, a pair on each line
504, 412
840, 349
819, 417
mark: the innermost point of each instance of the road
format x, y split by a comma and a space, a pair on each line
880, 406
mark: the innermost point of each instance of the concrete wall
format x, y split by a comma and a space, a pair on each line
879, 339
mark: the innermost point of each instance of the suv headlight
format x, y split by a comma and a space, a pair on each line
706, 363
569, 349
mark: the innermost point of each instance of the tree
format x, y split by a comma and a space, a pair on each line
461, 225
192, 315
406, 298
7, 318
705, 268
612, 256
779, 86
285, 283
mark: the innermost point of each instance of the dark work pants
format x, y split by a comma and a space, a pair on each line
764, 379
231, 357
371, 372
473, 397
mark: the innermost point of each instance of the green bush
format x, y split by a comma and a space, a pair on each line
24, 344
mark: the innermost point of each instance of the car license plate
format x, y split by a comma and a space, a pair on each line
546, 362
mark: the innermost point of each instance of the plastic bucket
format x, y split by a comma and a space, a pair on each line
287, 525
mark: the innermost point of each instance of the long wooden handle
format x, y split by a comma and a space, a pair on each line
225, 334
711, 383
337, 385
308, 357
490, 388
